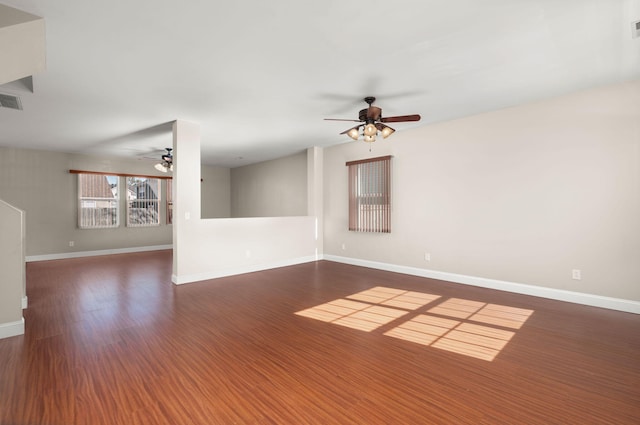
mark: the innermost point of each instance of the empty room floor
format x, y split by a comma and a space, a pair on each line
110, 340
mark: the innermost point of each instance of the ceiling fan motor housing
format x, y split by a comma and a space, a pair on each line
168, 157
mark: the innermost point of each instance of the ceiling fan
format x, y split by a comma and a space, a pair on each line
371, 121
167, 162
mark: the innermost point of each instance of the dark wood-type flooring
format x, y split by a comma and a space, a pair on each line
110, 340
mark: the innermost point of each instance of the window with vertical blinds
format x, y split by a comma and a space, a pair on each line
370, 195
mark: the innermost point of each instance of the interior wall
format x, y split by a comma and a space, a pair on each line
525, 195
216, 192
276, 188
39, 183
22, 45
205, 249
12, 266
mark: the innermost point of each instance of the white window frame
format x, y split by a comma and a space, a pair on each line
138, 205
90, 221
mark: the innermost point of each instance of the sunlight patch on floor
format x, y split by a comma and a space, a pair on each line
467, 327
370, 318
333, 310
473, 340
356, 315
407, 300
502, 315
456, 307
423, 329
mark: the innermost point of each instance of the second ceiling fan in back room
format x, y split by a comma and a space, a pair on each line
167, 162
371, 122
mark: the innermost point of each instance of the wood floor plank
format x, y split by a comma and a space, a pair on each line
110, 340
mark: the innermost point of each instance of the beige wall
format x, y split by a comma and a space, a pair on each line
216, 192
22, 45
276, 188
524, 195
12, 266
39, 183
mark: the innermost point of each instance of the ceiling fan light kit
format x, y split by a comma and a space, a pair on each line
370, 130
163, 167
372, 122
166, 164
353, 133
385, 130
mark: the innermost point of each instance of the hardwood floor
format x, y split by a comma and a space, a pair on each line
109, 340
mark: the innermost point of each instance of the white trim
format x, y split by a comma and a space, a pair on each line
25, 302
10, 329
179, 280
629, 306
77, 254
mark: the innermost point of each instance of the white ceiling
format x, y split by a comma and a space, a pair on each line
260, 76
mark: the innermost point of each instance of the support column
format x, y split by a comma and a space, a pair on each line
186, 189
315, 200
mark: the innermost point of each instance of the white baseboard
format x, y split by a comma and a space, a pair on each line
182, 279
10, 329
25, 302
628, 306
79, 254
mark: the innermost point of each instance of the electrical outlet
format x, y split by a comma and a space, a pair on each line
71, 243
344, 246
427, 256
576, 274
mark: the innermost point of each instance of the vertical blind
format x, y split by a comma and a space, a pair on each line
370, 195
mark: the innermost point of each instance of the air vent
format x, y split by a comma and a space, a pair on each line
635, 27
10, 101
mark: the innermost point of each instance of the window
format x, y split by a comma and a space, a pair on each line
99, 199
169, 201
143, 201
370, 195
98, 196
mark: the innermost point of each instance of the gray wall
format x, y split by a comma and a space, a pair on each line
216, 192
276, 188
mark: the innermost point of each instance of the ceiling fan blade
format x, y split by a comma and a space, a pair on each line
340, 119
401, 118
